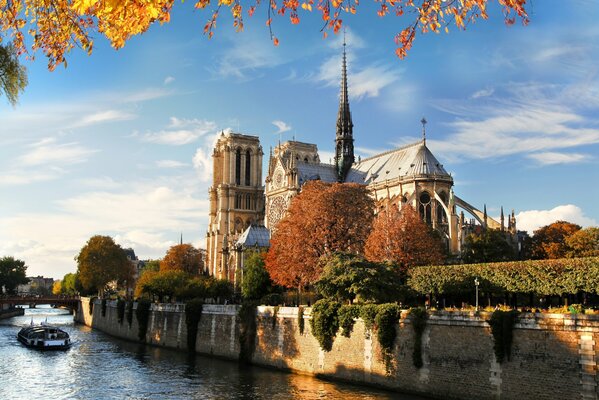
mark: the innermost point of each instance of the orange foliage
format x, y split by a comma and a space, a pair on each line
57, 26
182, 257
403, 238
550, 241
322, 219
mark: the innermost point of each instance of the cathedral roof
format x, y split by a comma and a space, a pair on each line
310, 172
254, 236
414, 160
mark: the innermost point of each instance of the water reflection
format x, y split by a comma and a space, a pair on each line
102, 367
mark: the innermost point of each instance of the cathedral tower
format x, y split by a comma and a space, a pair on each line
236, 197
344, 146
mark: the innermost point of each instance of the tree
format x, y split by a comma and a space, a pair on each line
57, 288
12, 274
71, 285
583, 243
403, 238
490, 245
13, 76
162, 284
58, 26
101, 261
550, 240
182, 257
256, 282
349, 277
324, 218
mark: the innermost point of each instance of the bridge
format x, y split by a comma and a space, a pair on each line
71, 302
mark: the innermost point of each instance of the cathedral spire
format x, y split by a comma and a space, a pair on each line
344, 148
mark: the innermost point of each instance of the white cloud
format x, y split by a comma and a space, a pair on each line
202, 162
529, 119
247, 53
14, 178
170, 164
168, 80
365, 81
146, 216
101, 183
282, 126
103, 116
483, 93
179, 132
47, 152
551, 158
534, 219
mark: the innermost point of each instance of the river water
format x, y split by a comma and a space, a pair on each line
99, 366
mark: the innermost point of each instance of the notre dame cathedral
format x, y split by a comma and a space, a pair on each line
243, 210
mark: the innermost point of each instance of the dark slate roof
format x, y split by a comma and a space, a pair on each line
311, 172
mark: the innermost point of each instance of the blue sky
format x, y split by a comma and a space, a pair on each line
119, 143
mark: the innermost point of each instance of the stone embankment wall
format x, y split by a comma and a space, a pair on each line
553, 356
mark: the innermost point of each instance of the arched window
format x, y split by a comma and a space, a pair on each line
238, 167
248, 167
425, 207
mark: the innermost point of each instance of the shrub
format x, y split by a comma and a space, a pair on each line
300, 319
91, 305
247, 331
193, 314
143, 315
325, 322
543, 277
103, 307
368, 314
120, 310
347, 315
419, 317
502, 325
386, 319
130, 312
273, 299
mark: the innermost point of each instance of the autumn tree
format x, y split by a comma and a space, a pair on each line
182, 257
583, 243
102, 261
57, 287
322, 219
58, 26
550, 240
490, 245
403, 238
12, 274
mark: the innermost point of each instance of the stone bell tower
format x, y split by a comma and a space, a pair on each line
236, 198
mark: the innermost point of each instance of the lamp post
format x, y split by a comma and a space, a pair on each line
476, 283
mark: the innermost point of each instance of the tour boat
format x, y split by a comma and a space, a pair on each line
44, 337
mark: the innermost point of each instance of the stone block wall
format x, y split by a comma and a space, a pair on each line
553, 356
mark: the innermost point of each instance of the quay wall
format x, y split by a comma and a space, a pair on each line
553, 356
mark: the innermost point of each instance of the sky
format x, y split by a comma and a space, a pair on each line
119, 143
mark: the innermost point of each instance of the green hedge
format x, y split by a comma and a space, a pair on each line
543, 277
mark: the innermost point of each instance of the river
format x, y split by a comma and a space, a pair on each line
99, 366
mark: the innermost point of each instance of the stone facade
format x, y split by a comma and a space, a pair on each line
236, 198
553, 357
